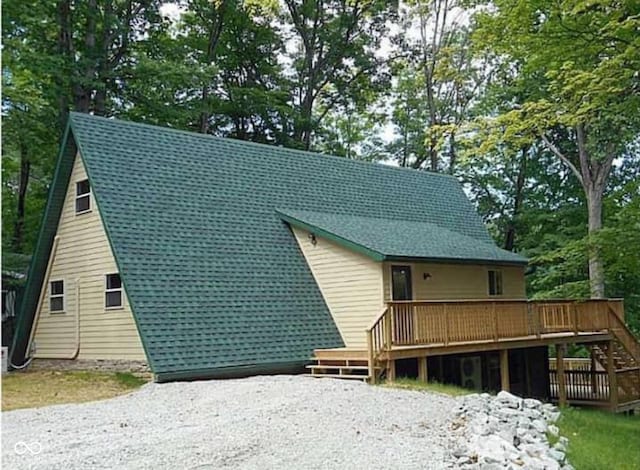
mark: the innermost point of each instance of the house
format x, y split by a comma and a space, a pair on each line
210, 257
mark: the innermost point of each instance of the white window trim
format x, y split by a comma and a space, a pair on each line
501, 294
75, 201
119, 289
63, 296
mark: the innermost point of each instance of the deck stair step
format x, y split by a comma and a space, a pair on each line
324, 366
341, 376
342, 363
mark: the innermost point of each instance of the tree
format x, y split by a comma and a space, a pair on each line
585, 111
331, 49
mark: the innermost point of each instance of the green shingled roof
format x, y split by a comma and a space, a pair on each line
392, 239
214, 276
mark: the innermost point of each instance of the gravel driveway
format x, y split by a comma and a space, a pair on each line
289, 422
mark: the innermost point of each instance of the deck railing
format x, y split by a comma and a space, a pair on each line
462, 321
582, 385
440, 322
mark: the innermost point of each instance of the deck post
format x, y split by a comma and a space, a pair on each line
446, 324
562, 386
388, 325
504, 370
495, 321
613, 378
422, 369
371, 362
391, 370
594, 385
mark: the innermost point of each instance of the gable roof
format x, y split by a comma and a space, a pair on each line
214, 277
391, 239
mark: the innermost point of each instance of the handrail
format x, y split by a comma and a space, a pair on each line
422, 322
624, 335
378, 338
377, 318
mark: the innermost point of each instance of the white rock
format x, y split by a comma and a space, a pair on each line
509, 399
560, 446
554, 430
557, 455
539, 425
532, 403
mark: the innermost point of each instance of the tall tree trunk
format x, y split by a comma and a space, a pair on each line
592, 173
212, 42
596, 266
65, 49
84, 84
25, 167
510, 237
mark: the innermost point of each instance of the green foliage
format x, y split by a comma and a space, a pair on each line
471, 94
600, 439
129, 380
434, 387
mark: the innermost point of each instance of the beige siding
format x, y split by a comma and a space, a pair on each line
351, 285
458, 281
82, 259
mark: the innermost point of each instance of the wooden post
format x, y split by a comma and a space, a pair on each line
388, 325
574, 310
613, 378
446, 325
371, 361
422, 369
495, 322
594, 385
504, 370
391, 370
562, 385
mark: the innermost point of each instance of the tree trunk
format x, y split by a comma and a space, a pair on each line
212, 43
510, 236
65, 49
592, 173
25, 167
596, 267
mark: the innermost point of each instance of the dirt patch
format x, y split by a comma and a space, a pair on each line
32, 389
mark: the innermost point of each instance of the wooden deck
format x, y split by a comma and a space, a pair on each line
418, 329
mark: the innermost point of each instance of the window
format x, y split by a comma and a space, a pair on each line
83, 197
56, 296
113, 292
495, 282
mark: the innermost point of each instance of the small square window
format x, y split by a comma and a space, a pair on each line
56, 296
83, 196
113, 299
113, 291
495, 282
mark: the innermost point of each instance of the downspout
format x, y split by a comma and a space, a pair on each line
77, 350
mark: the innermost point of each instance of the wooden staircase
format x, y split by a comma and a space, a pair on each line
623, 355
343, 363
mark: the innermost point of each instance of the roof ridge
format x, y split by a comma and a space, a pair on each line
309, 153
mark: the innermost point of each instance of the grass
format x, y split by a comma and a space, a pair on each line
33, 389
601, 440
413, 384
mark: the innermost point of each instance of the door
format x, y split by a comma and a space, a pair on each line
402, 314
401, 283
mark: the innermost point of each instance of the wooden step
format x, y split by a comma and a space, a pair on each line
340, 376
344, 367
341, 354
340, 362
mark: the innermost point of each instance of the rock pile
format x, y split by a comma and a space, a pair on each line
505, 431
